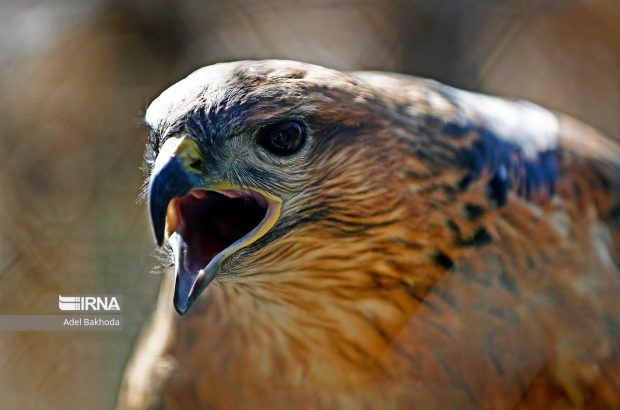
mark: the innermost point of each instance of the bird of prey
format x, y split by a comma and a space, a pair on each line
370, 240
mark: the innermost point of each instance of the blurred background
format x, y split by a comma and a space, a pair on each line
75, 77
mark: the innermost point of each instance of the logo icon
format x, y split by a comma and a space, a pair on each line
82, 303
69, 303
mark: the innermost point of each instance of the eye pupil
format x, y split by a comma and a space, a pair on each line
284, 138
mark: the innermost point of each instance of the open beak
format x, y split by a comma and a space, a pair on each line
203, 224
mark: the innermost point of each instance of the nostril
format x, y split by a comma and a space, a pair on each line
196, 164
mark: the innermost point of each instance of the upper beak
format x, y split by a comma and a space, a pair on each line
174, 175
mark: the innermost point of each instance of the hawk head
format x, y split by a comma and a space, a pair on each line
274, 168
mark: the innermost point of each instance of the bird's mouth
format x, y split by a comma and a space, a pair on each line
204, 222
204, 227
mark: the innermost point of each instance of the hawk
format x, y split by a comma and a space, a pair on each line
372, 240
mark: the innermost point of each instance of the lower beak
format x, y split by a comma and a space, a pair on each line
187, 283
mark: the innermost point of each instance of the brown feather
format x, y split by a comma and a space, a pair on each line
406, 290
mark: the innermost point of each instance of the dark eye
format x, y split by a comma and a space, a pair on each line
284, 138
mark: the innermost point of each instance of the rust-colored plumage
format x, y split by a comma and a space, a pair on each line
434, 249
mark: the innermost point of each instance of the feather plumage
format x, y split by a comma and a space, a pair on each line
435, 247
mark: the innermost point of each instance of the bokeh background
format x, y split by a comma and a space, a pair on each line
76, 75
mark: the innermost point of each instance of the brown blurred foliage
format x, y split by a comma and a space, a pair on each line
75, 77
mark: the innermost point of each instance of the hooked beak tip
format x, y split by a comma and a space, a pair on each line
181, 308
187, 286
